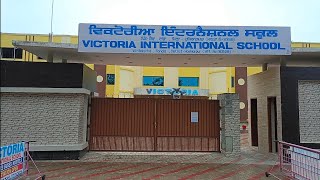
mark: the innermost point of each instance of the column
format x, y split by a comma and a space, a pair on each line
230, 123
241, 89
171, 77
101, 79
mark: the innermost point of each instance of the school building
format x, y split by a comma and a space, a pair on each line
123, 101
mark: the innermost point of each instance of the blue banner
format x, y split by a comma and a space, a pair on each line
146, 39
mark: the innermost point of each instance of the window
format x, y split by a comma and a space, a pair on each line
188, 81
232, 81
110, 79
8, 53
153, 80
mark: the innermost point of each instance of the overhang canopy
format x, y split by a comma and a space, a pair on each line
59, 51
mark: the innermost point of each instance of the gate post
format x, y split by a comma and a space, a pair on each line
230, 124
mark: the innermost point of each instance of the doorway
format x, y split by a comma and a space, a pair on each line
254, 123
272, 124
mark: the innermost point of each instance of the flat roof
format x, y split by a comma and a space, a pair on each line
299, 57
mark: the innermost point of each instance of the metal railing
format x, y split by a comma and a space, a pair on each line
298, 162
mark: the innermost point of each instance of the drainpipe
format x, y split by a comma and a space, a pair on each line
51, 33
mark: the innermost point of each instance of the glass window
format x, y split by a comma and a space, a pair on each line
153, 80
232, 81
188, 81
8, 53
111, 79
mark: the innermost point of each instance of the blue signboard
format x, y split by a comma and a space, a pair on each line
167, 39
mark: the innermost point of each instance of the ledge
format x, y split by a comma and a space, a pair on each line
75, 147
45, 44
305, 50
44, 90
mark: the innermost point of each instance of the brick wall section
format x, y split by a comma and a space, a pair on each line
309, 111
48, 119
260, 86
229, 123
83, 120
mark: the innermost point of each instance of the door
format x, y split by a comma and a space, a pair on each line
272, 124
254, 123
188, 125
122, 124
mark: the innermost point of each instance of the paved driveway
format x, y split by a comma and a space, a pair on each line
121, 165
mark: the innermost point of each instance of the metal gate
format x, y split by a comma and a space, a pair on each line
154, 125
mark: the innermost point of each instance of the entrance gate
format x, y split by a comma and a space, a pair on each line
154, 125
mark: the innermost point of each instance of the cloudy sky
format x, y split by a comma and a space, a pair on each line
33, 16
